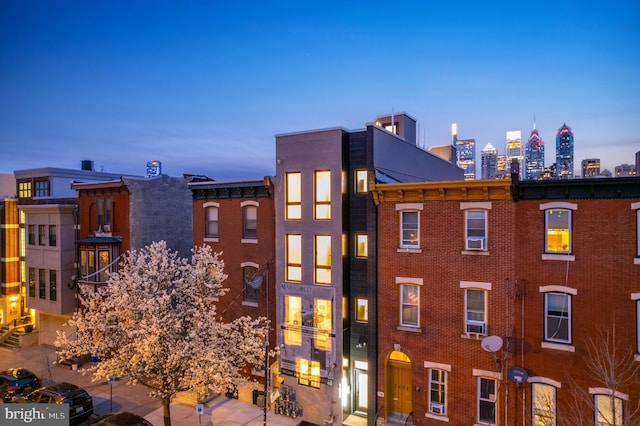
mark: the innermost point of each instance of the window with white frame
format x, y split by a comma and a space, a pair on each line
293, 200
323, 259
362, 245
322, 194
293, 256
557, 321
475, 311
608, 410
437, 392
323, 324
362, 309
486, 401
250, 222
558, 227
361, 181
638, 231
638, 326
211, 220
475, 229
409, 229
409, 305
543, 401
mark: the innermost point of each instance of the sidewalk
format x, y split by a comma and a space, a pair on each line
119, 396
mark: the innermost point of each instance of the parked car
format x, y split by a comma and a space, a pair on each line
122, 419
15, 382
79, 401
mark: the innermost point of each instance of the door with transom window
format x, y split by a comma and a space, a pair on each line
398, 384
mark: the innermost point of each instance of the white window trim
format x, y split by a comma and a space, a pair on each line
412, 282
558, 289
568, 347
407, 280
559, 205
636, 298
607, 391
444, 367
438, 366
403, 247
486, 373
250, 203
481, 205
475, 284
636, 206
485, 313
204, 206
544, 381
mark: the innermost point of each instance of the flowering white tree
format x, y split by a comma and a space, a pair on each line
155, 323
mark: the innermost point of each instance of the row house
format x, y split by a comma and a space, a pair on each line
503, 298
236, 218
325, 258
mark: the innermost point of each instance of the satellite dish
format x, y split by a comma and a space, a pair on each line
492, 343
256, 283
517, 374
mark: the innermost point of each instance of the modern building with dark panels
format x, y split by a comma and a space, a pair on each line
534, 156
326, 243
564, 153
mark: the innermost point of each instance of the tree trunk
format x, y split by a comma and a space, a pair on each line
166, 409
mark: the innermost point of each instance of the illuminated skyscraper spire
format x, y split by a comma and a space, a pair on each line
564, 152
534, 155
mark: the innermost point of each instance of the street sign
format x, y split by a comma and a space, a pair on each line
199, 408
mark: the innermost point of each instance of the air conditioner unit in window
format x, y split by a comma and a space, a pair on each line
437, 408
478, 327
106, 228
475, 243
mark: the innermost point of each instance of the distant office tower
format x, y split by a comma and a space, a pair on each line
564, 153
638, 163
454, 133
590, 167
625, 170
534, 155
466, 151
514, 150
502, 168
489, 159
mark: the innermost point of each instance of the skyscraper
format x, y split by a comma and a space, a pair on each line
514, 149
590, 167
466, 152
564, 152
489, 159
534, 155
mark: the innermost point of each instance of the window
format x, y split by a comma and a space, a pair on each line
41, 188
608, 410
87, 264
475, 311
24, 189
52, 235
308, 372
409, 305
437, 391
32, 234
362, 309
361, 181
323, 195
323, 259
294, 258
249, 222
638, 232
41, 235
53, 285
211, 219
543, 399
293, 207
103, 263
32, 282
557, 231
557, 324
409, 229
486, 401
103, 211
638, 326
362, 245
293, 320
323, 324
42, 284
250, 294
476, 229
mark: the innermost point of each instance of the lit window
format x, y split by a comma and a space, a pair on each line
293, 320
293, 208
42, 284
24, 189
322, 324
308, 372
486, 401
294, 258
558, 231
249, 222
250, 294
211, 218
543, 398
42, 237
476, 229
32, 234
362, 310
361, 181
437, 391
103, 263
475, 311
32, 282
410, 229
52, 235
53, 285
409, 305
557, 324
323, 194
323, 259
608, 410
362, 246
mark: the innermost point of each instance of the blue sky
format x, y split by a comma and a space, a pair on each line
203, 86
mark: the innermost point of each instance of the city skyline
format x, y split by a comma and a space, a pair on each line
205, 88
